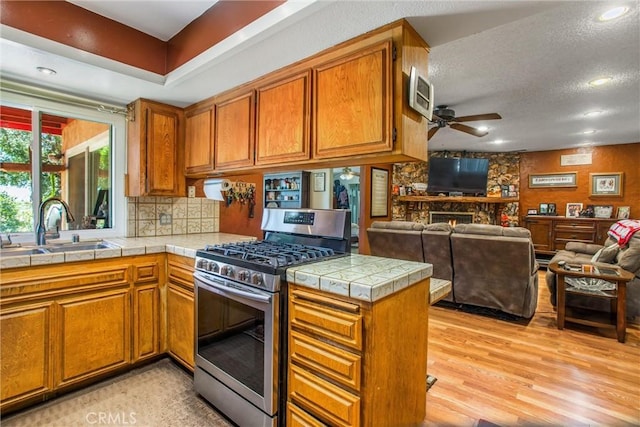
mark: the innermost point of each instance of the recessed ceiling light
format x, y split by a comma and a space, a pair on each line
614, 13
600, 81
589, 132
498, 141
593, 113
483, 128
47, 71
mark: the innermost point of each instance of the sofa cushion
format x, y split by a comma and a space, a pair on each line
606, 254
398, 225
438, 226
516, 232
484, 229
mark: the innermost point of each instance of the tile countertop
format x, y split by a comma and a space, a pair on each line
362, 277
184, 244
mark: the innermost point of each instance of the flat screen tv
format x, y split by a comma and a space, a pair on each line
458, 175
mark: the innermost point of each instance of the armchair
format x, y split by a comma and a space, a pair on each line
627, 257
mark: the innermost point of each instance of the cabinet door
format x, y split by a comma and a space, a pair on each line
282, 123
146, 321
26, 353
199, 140
541, 231
352, 104
95, 334
602, 228
180, 324
163, 139
235, 130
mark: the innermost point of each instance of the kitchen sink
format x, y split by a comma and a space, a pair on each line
77, 246
55, 248
17, 251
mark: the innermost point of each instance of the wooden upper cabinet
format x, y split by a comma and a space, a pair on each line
283, 120
352, 108
154, 150
234, 139
198, 142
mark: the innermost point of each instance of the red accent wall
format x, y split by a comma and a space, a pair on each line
74, 26
608, 158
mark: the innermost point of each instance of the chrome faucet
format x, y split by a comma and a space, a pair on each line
41, 230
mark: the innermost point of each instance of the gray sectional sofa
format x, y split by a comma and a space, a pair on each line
488, 265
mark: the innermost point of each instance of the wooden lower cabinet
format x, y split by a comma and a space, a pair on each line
95, 334
551, 233
181, 310
356, 363
26, 353
65, 324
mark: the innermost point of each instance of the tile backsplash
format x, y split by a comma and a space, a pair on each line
163, 216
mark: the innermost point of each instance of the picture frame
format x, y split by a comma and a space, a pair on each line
379, 192
544, 208
605, 184
319, 181
602, 211
544, 180
573, 210
532, 211
552, 209
623, 212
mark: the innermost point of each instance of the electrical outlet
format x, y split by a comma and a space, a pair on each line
191, 191
165, 219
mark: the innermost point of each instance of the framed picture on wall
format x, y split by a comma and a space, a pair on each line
573, 210
605, 184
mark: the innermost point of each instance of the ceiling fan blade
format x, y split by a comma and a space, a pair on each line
490, 116
432, 132
468, 129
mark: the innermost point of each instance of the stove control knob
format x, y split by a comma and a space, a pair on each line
201, 263
256, 279
243, 275
227, 270
212, 266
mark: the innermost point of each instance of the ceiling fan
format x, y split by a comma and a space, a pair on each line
443, 116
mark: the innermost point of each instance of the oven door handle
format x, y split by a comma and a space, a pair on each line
234, 291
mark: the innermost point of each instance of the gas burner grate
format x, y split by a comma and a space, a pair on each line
276, 254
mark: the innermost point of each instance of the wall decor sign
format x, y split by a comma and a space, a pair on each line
573, 210
576, 159
379, 192
605, 184
318, 181
566, 179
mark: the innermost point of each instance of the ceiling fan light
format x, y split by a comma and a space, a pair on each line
614, 13
483, 128
498, 141
600, 81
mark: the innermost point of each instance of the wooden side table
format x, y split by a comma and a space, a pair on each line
617, 297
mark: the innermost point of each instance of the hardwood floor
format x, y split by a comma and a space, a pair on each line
530, 373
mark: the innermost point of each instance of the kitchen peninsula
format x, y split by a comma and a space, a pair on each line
358, 325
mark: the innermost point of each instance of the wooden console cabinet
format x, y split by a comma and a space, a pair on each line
552, 233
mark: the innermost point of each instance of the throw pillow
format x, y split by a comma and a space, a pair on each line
606, 254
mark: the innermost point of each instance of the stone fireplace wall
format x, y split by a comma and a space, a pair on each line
504, 169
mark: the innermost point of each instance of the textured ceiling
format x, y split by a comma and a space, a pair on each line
528, 61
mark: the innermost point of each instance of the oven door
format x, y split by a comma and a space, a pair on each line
237, 331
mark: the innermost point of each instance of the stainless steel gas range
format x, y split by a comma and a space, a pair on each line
241, 310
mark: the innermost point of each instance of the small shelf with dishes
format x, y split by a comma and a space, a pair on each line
286, 190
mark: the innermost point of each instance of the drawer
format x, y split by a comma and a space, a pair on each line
312, 314
146, 272
331, 362
297, 417
319, 397
575, 235
575, 225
